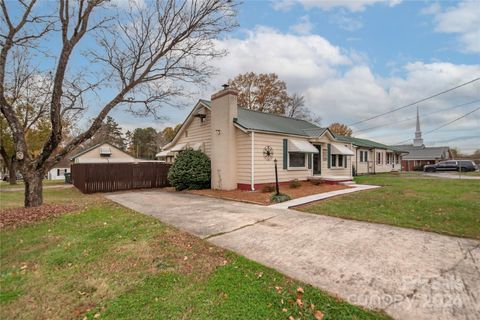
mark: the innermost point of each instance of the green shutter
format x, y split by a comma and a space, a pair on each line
309, 161
285, 154
329, 155
345, 159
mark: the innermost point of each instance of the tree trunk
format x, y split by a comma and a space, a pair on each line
12, 172
33, 189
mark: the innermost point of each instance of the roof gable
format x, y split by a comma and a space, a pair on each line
200, 104
96, 146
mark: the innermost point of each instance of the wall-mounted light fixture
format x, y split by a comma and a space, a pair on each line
218, 131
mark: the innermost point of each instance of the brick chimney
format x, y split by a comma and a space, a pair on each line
224, 149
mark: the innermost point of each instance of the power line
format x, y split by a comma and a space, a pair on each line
445, 124
416, 102
412, 118
448, 123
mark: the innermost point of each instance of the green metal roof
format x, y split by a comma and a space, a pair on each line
261, 121
365, 143
256, 120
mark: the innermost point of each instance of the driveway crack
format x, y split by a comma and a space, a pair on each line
239, 228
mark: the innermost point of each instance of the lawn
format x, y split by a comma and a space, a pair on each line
472, 173
446, 206
20, 184
108, 262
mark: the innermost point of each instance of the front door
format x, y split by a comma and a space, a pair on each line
317, 161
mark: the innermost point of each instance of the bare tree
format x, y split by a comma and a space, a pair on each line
296, 109
146, 55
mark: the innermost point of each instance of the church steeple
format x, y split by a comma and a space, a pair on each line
418, 141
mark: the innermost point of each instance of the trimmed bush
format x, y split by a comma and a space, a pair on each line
317, 182
295, 184
268, 188
191, 170
276, 198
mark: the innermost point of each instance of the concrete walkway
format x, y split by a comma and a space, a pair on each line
407, 273
322, 196
451, 175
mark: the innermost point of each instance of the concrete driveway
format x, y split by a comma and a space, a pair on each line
407, 273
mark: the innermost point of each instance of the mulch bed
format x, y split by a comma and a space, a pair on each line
306, 188
21, 216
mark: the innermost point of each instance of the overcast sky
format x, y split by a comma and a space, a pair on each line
353, 59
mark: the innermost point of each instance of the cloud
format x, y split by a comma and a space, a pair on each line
339, 84
345, 21
299, 58
463, 19
304, 26
351, 5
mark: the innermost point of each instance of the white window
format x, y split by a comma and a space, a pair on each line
363, 156
379, 157
61, 172
297, 160
338, 161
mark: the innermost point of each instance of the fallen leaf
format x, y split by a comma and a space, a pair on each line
318, 315
299, 293
284, 310
97, 315
299, 303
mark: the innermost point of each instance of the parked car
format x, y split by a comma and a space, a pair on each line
451, 165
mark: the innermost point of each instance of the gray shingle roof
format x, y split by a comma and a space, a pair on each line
424, 153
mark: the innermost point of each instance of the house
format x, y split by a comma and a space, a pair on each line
57, 172
102, 153
243, 145
420, 155
373, 157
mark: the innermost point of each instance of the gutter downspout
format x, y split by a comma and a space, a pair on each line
252, 175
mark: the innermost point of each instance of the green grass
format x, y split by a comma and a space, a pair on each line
109, 262
441, 205
20, 184
472, 173
59, 195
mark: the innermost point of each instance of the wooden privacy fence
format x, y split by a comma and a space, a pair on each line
108, 177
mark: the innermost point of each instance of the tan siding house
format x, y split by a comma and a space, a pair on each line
103, 153
244, 144
373, 157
